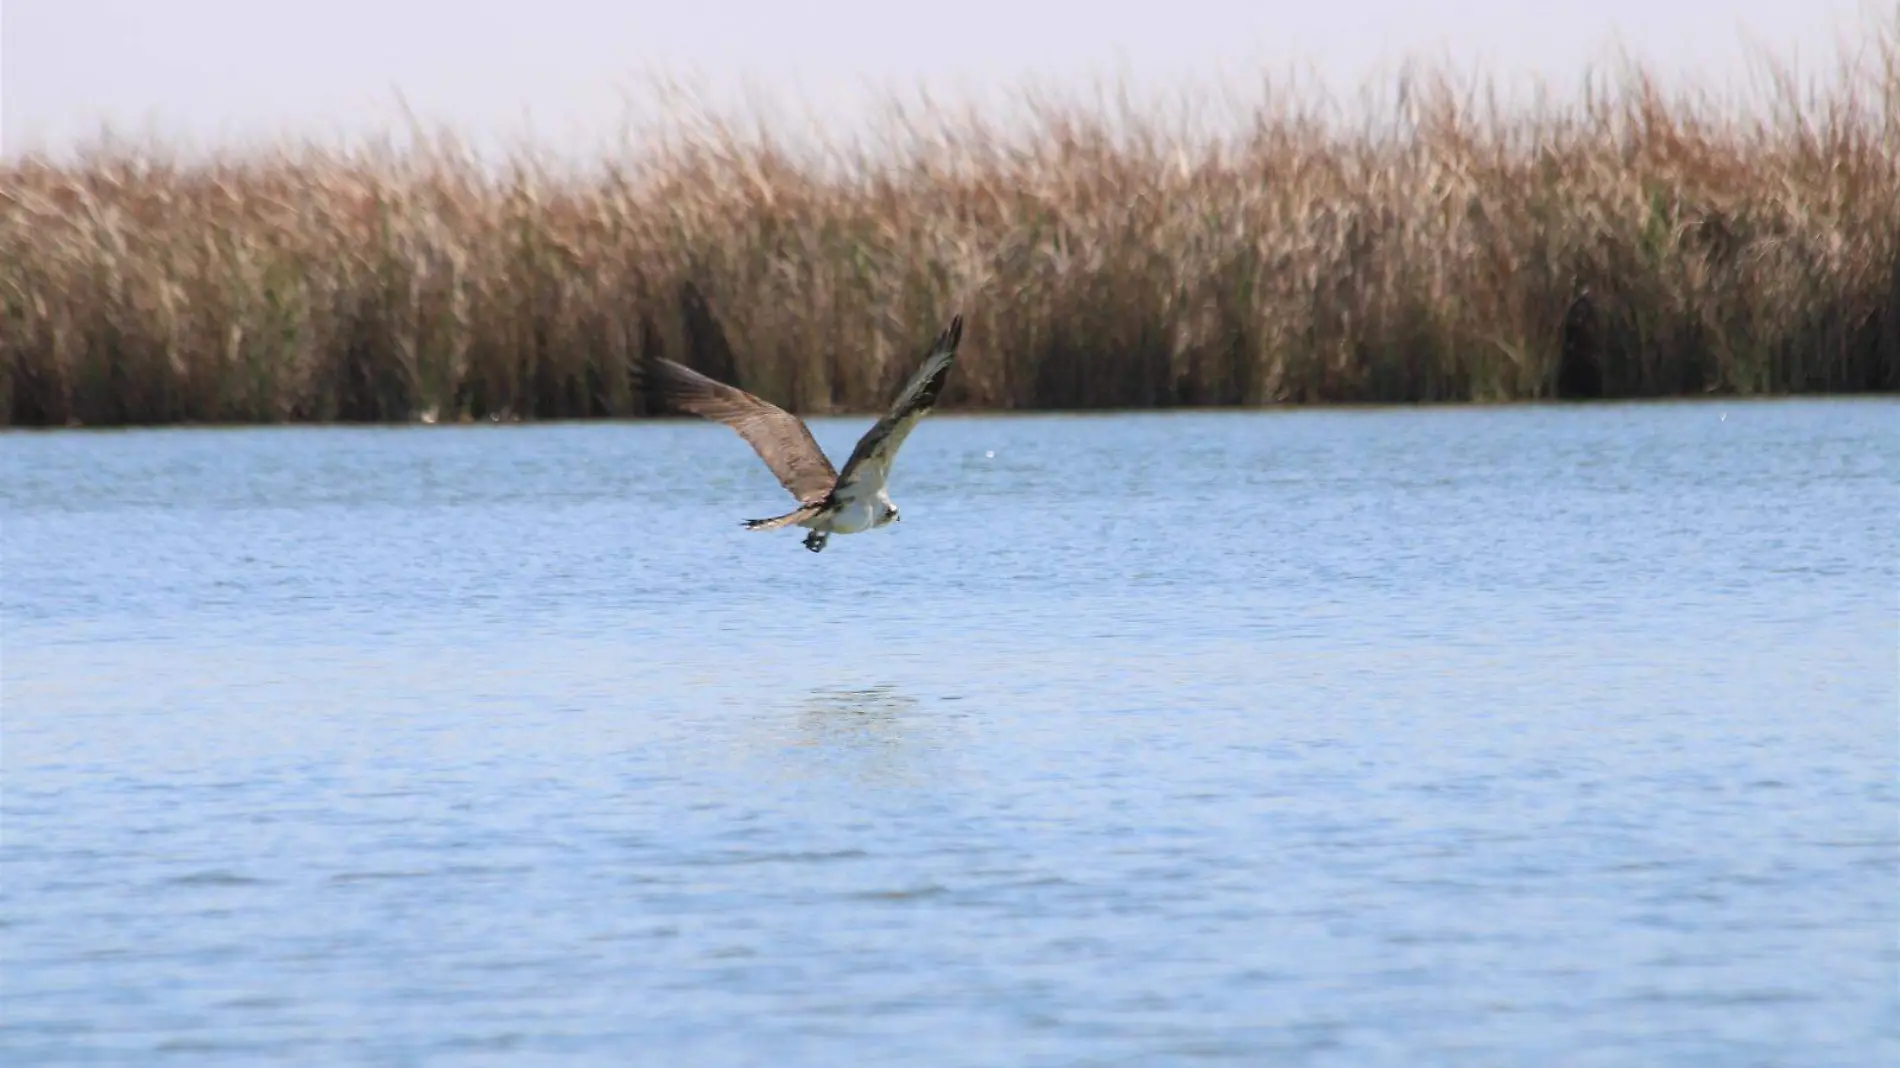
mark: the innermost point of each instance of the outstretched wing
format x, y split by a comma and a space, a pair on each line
780, 438
870, 462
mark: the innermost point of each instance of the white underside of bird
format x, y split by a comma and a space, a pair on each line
854, 511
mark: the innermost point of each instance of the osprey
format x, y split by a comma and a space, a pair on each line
829, 502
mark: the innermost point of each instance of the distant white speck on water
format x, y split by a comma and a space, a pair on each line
1724, 417
990, 454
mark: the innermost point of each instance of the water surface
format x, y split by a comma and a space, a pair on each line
1406, 737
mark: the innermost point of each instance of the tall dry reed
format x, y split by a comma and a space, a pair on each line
1628, 244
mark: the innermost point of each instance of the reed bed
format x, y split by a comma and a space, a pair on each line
1628, 243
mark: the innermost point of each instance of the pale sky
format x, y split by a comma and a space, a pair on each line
214, 72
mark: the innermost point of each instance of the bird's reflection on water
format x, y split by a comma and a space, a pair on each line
875, 734
871, 716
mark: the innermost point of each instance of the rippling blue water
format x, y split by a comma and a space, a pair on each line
1466, 736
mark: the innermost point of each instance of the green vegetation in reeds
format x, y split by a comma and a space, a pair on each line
1629, 243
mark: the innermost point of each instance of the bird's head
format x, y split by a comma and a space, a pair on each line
890, 515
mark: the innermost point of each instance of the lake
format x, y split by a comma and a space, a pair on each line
1506, 736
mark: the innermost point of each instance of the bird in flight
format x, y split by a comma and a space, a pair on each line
829, 502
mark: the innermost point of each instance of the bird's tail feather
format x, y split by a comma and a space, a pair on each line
802, 512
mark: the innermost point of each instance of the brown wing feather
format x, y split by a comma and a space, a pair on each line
879, 445
780, 438
798, 514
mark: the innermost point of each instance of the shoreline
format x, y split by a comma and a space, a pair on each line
1699, 400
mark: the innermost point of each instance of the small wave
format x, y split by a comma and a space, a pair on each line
785, 858
374, 876
214, 878
915, 893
